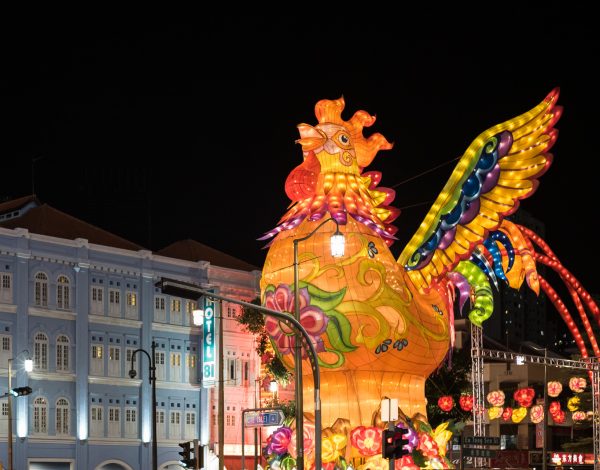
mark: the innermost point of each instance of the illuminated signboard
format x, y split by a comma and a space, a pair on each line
208, 345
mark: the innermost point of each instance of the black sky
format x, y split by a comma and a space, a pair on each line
190, 129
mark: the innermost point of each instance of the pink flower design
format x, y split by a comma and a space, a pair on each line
554, 388
496, 398
577, 384
312, 318
536, 414
280, 441
428, 446
309, 440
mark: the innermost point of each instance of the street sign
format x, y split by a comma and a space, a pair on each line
257, 419
486, 453
481, 440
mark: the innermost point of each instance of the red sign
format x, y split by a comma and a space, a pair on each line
511, 458
575, 458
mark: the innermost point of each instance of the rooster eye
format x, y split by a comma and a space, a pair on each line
344, 139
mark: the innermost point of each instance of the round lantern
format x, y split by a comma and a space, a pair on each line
507, 413
466, 402
496, 398
554, 408
554, 388
573, 403
559, 417
446, 403
495, 412
577, 384
519, 414
524, 396
536, 414
579, 416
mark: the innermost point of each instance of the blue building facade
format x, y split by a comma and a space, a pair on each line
80, 310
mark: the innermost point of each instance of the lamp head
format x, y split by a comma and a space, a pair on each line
28, 364
198, 317
338, 243
132, 373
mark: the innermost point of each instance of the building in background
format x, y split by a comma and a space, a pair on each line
80, 300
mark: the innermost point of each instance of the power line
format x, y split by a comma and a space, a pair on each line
425, 172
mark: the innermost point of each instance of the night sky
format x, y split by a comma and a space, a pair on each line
160, 133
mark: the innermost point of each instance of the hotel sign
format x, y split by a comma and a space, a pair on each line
208, 345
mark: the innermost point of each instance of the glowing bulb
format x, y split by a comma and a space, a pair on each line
198, 317
28, 365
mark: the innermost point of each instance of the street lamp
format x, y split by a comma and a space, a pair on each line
273, 387
28, 366
545, 427
152, 380
337, 250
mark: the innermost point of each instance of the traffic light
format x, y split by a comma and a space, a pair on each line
393, 443
20, 391
188, 455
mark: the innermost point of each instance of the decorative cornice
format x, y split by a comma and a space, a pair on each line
115, 321
114, 441
52, 376
8, 308
48, 313
116, 381
184, 330
177, 386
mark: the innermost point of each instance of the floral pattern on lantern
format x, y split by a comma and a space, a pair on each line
466, 402
559, 417
577, 384
536, 414
554, 388
554, 408
495, 412
332, 447
524, 396
519, 414
573, 403
496, 398
446, 403
367, 440
579, 416
507, 413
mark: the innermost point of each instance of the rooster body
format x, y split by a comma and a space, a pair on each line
381, 326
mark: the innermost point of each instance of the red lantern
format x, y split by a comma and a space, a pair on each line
507, 413
524, 396
554, 408
559, 417
446, 403
466, 402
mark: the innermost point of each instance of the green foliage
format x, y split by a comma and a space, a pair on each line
287, 406
449, 381
252, 319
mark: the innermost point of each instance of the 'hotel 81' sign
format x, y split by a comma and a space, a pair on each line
208, 345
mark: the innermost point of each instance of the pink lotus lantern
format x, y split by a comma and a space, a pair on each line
554, 388
496, 398
577, 384
578, 416
536, 414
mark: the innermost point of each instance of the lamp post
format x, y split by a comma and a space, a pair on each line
152, 380
337, 250
273, 387
28, 365
545, 426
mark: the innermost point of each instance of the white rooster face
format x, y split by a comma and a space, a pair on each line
332, 145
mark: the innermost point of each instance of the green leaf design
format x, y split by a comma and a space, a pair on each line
323, 299
338, 332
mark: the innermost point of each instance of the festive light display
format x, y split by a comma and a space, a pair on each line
381, 326
554, 388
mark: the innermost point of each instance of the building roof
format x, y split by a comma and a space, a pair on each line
46, 220
18, 203
191, 250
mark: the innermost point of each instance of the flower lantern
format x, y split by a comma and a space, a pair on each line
446, 403
577, 384
332, 447
573, 403
495, 412
309, 440
554, 408
519, 414
280, 441
507, 413
367, 440
466, 402
554, 388
524, 396
579, 416
536, 414
496, 398
559, 417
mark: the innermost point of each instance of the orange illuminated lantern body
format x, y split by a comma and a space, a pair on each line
381, 326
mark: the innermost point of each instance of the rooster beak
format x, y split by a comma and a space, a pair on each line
311, 138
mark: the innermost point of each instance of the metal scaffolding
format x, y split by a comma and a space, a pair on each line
590, 364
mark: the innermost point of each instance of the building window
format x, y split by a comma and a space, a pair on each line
131, 308
190, 425
190, 306
176, 311
62, 353
62, 293
128, 356
159, 363
232, 372
40, 352
62, 417
190, 362
41, 290
175, 367
175, 425
97, 422
131, 429
231, 311
114, 361
6, 296
40, 416
160, 312
114, 302
97, 303
97, 360
160, 424
114, 421
4, 409
5, 350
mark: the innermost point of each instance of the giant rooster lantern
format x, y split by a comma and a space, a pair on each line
381, 326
